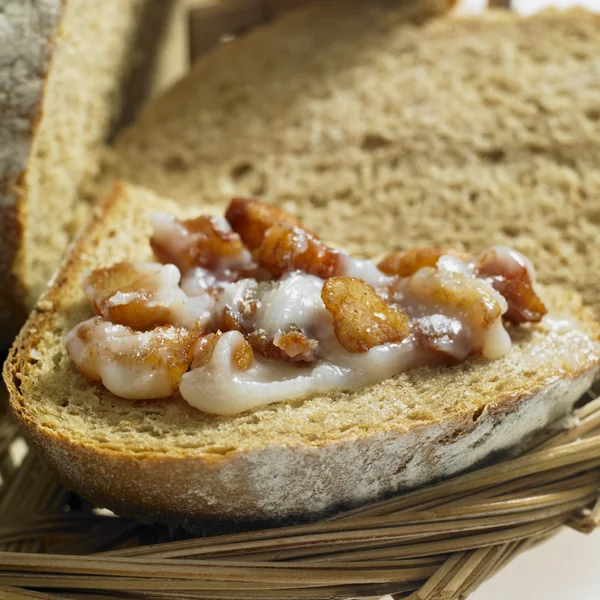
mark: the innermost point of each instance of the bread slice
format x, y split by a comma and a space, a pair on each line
68, 69
167, 461
463, 131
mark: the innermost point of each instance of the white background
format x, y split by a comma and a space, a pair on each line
564, 568
568, 566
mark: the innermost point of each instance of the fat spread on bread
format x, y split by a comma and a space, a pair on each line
252, 309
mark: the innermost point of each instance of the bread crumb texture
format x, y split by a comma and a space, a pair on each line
384, 134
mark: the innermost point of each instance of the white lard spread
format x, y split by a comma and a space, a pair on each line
108, 354
294, 301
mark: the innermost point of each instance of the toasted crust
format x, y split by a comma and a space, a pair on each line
289, 459
189, 491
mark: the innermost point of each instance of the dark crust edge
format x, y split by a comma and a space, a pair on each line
12, 216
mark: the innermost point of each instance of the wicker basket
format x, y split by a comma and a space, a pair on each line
441, 541
438, 542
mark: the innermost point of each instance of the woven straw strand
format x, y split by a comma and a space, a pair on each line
440, 542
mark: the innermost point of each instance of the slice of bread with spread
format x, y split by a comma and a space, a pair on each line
68, 70
463, 131
164, 460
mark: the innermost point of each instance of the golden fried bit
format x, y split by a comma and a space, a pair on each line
238, 315
262, 343
511, 279
290, 346
102, 284
251, 219
170, 348
295, 345
243, 356
105, 282
231, 320
109, 353
456, 291
200, 242
286, 248
204, 348
361, 318
407, 263
139, 313
136, 283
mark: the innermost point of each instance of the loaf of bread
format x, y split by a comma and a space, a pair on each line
67, 68
463, 131
164, 460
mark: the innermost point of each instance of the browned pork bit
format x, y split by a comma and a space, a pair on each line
251, 219
286, 248
512, 280
139, 285
407, 263
290, 346
206, 242
361, 318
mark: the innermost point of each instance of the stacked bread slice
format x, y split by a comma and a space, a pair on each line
69, 72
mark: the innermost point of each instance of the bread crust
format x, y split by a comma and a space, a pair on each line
188, 491
25, 59
273, 481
